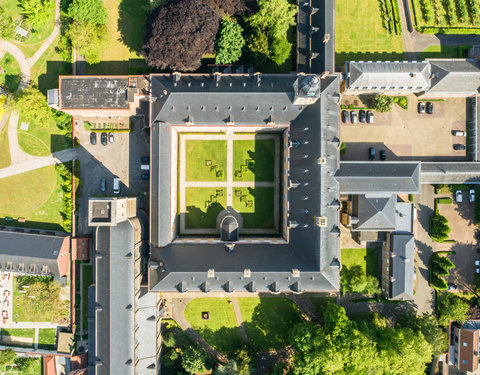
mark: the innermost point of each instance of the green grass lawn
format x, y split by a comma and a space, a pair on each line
367, 258
21, 196
253, 160
256, 206
202, 157
221, 329
20, 332
359, 34
268, 320
5, 159
87, 281
438, 52
46, 338
11, 369
11, 76
42, 140
198, 215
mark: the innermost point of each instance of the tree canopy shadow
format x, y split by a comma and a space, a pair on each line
131, 23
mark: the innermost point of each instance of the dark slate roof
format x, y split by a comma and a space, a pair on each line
450, 172
459, 76
379, 177
402, 266
93, 92
311, 249
371, 75
376, 213
29, 248
242, 99
114, 280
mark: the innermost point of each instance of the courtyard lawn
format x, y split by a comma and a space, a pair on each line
203, 205
5, 159
268, 320
87, 281
42, 140
206, 160
253, 160
359, 34
256, 205
221, 329
36, 196
367, 258
46, 338
11, 76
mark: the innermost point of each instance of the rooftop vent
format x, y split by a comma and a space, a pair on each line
322, 160
211, 272
295, 272
321, 221
247, 273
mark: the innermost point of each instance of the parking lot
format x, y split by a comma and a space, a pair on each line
408, 135
121, 159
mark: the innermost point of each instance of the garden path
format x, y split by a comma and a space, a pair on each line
239, 318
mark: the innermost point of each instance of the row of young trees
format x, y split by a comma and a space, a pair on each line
440, 268
182, 32
457, 12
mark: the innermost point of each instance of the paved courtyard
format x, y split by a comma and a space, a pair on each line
408, 135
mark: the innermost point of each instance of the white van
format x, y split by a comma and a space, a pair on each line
145, 167
116, 185
459, 133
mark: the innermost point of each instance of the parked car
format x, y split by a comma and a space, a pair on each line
429, 108
93, 138
477, 262
103, 138
370, 117
145, 159
353, 117
471, 195
459, 133
145, 176
421, 107
103, 184
458, 147
110, 137
362, 116
371, 153
345, 118
477, 270
458, 196
452, 287
383, 155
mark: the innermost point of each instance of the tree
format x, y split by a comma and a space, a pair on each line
7, 357
439, 228
258, 46
281, 49
33, 106
243, 359
37, 12
7, 26
192, 360
182, 31
229, 369
90, 40
227, 7
88, 11
274, 17
452, 308
382, 103
355, 280
438, 283
230, 43
26, 364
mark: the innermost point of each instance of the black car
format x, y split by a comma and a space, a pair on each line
103, 138
458, 147
370, 117
93, 138
371, 153
429, 108
145, 159
362, 116
145, 176
345, 118
421, 107
383, 155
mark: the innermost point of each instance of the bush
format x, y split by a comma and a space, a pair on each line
401, 101
444, 200
382, 103
439, 228
343, 148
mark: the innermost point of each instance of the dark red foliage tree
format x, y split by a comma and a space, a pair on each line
231, 7
181, 32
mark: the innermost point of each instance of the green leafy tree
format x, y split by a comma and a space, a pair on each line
439, 228
37, 12
354, 280
281, 49
229, 369
382, 103
258, 46
243, 360
26, 364
192, 360
7, 357
274, 17
90, 40
230, 43
7, 26
452, 308
33, 106
88, 11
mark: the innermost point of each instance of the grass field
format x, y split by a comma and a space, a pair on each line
221, 329
198, 215
202, 152
267, 321
260, 214
11, 76
359, 34
5, 159
42, 140
367, 258
20, 196
46, 338
260, 153
438, 52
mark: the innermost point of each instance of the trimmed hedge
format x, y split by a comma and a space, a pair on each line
444, 200
439, 228
447, 30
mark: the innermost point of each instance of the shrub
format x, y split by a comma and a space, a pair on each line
401, 101
444, 200
343, 148
382, 103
